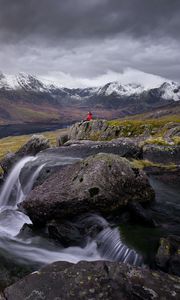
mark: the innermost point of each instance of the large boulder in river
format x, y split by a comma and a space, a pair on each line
100, 183
94, 280
36, 144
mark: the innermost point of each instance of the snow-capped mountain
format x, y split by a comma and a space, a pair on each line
24, 81
26, 98
117, 89
167, 91
170, 90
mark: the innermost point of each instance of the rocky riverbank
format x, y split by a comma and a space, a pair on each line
94, 280
106, 179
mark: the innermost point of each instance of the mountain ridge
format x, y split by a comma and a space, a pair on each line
26, 98
28, 82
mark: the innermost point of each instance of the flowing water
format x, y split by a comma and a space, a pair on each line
165, 211
39, 250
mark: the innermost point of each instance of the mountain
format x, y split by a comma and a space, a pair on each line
26, 98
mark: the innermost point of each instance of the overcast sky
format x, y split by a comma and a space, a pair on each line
90, 42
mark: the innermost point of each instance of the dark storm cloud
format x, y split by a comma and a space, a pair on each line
89, 38
56, 19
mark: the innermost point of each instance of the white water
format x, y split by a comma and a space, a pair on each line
11, 182
106, 245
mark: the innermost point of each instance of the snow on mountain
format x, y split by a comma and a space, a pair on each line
26, 82
167, 91
116, 89
8, 82
170, 91
20, 81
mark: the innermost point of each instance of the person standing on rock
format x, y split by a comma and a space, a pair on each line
89, 116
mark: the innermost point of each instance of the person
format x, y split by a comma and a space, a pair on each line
89, 116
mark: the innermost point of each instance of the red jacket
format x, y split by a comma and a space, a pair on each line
89, 117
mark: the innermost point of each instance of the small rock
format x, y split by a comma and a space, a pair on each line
61, 140
168, 255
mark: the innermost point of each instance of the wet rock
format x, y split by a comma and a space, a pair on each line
29, 170
36, 144
10, 271
8, 161
91, 224
67, 234
42, 168
26, 231
168, 255
94, 280
78, 231
100, 183
61, 140
124, 147
162, 154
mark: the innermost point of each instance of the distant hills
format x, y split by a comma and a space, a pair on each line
25, 98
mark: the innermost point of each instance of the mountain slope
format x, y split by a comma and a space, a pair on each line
25, 98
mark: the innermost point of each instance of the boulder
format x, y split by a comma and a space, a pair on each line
36, 144
124, 147
78, 231
87, 130
101, 183
162, 154
105, 130
42, 168
66, 233
94, 280
168, 255
8, 161
11, 271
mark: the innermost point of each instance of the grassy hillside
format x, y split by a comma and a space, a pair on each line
17, 112
136, 127
13, 143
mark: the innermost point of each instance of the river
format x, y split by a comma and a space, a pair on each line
130, 243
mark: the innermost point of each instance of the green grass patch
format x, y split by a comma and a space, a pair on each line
14, 143
141, 164
154, 127
176, 140
157, 141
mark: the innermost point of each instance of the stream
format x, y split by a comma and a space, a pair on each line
129, 243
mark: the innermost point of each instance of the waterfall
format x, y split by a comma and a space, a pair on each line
12, 181
105, 245
112, 248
